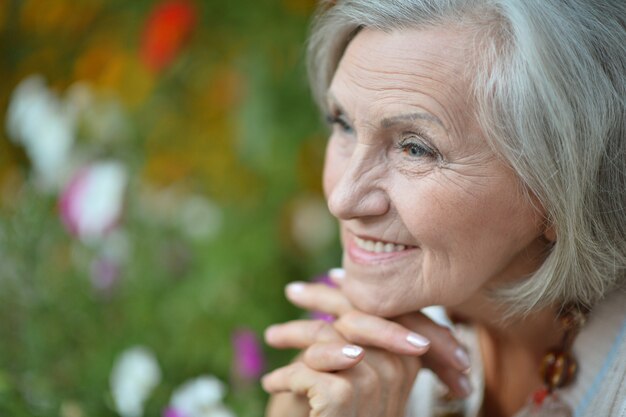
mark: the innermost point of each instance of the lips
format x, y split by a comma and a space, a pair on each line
367, 250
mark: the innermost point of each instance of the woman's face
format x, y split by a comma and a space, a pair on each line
428, 214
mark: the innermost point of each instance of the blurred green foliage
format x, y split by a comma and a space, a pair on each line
230, 119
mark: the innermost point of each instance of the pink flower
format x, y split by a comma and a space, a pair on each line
91, 204
249, 359
171, 412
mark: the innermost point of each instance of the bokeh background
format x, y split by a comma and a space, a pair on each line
160, 166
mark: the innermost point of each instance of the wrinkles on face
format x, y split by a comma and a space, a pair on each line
407, 163
436, 75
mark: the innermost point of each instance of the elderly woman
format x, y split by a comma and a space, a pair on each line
477, 161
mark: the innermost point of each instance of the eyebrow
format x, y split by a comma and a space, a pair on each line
394, 120
389, 122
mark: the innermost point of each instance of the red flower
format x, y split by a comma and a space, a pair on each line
167, 30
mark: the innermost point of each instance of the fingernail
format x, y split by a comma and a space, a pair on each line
269, 331
462, 358
352, 351
465, 386
417, 340
296, 287
337, 274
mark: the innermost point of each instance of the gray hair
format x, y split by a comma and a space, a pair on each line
550, 90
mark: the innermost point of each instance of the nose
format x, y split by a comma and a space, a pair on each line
359, 191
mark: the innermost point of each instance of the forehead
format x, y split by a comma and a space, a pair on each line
410, 67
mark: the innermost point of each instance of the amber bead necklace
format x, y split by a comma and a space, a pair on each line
558, 368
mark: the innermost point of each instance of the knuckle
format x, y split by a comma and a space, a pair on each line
348, 325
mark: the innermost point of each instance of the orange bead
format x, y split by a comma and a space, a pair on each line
558, 369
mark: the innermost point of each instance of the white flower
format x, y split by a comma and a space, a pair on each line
200, 397
45, 126
135, 374
92, 202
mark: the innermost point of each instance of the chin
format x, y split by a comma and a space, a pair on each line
377, 303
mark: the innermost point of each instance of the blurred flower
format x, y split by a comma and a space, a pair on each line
312, 226
170, 412
105, 273
44, 125
199, 217
106, 268
200, 397
249, 361
167, 29
135, 374
91, 204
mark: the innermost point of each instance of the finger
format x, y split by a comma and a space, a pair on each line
445, 349
318, 297
327, 392
296, 378
337, 275
300, 334
332, 356
365, 329
458, 383
287, 404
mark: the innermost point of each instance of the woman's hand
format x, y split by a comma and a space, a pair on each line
326, 377
410, 334
327, 349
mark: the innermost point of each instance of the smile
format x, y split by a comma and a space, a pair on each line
378, 246
372, 251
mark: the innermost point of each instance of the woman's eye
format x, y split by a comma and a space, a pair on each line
415, 149
340, 121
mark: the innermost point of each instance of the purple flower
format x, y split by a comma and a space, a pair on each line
171, 412
249, 359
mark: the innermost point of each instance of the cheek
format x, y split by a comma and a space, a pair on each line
471, 234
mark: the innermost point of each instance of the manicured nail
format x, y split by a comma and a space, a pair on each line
352, 351
417, 340
462, 358
337, 274
465, 386
296, 287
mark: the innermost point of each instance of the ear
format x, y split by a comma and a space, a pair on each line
549, 233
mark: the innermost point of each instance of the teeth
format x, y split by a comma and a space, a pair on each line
378, 246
